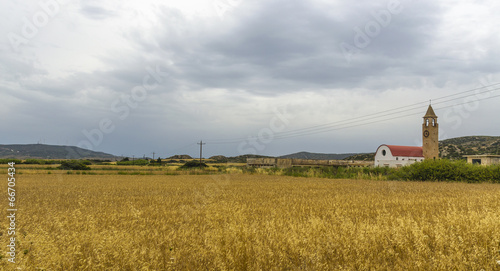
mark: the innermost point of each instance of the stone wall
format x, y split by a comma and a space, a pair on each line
286, 163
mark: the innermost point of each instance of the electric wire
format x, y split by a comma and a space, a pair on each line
337, 125
376, 117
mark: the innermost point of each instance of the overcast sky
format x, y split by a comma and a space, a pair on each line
245, 76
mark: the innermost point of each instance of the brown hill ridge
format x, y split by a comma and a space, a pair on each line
42, 151
180, 156
455, 148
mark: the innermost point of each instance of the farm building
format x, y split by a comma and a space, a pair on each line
485, 159
398, 156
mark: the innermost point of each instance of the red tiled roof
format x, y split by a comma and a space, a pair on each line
407, 151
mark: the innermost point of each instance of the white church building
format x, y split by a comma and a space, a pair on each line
398, 156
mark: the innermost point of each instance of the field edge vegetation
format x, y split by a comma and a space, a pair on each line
428, 170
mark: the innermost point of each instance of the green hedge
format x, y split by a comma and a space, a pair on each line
41, 162
428, 170
446, 170
7, 160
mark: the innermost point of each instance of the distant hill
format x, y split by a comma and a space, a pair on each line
42, 151
180, 156
317, 156
455, 148
219, 159
362, 157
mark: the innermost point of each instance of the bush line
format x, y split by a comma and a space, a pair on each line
442, 170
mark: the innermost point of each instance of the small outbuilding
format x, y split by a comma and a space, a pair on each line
485, 159
397, 156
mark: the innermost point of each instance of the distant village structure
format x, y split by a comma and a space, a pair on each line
386, 155
398, 156
287, 163
484, 159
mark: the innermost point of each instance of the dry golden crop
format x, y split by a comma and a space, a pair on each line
251, 222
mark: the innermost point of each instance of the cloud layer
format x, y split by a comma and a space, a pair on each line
164, 76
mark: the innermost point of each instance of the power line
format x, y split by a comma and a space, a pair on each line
334, 125
373, 122
371, 116
325, 129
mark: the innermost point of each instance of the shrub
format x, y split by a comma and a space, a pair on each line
193, 164
73, 165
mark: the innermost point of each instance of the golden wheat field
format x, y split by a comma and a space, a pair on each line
251, 222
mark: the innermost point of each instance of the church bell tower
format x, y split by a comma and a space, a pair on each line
430, 138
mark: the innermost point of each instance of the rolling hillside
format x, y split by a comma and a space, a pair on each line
455, 148
42, 151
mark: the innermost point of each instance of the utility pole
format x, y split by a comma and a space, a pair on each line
153, 156
201, 147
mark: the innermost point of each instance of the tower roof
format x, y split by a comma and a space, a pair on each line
430, 113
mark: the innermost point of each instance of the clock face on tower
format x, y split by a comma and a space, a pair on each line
426, 133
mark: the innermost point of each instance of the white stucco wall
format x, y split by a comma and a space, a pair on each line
384, 158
